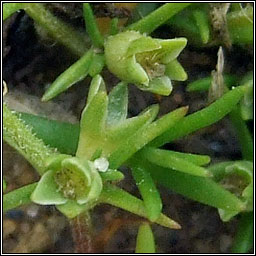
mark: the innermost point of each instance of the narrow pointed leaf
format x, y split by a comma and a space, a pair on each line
91, 26
97, 84
197, 188
158, 17
151, 197
72, 75
111, 175
144, 136
118, 104
202, 24
18, 197
163, 158
203, 84
202, 118
243, 241
193, 158
117, 197
145, 242
92, 125
128, 127
61, 135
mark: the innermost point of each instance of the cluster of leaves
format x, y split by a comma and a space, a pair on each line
82, 171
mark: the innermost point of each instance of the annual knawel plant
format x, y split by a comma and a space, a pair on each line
78, 175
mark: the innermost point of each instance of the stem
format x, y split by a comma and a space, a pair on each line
158, 17
19, 135
18, 197
61, 32
82, 233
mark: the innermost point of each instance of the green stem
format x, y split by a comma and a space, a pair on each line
19, 135
60, 31
243, 134
158, 17
18, 197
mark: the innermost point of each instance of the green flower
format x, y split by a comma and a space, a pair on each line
70, 183
149, 63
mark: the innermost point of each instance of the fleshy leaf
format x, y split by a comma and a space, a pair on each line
122, 199
151, 197
165, 159
118, 104
72, 75
92, 125
144, 136
145, 240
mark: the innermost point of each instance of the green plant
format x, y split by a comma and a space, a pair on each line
84, 170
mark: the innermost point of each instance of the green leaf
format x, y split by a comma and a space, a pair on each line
151, 197
47, 191
118, 134
145, 242
118, 104
61, 135
117, 197
92, 126
203, 84
111, 175
202, 118
243, 134
143, 136
72, 75
97, 85
18, 197
193, 158
91, 26
202, 22
165, 159
197, 188
158, 17
243, 241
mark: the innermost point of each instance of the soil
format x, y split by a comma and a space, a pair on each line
30, 64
